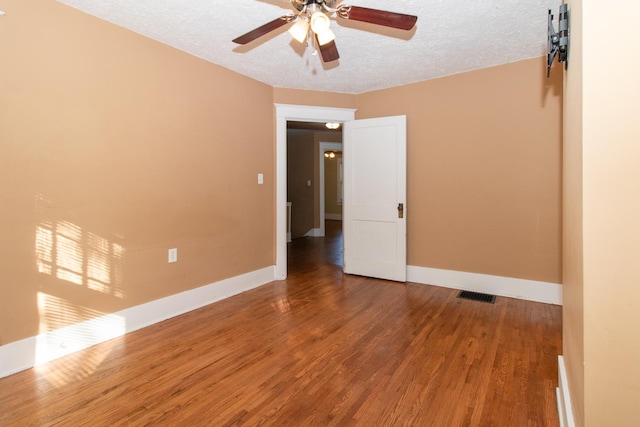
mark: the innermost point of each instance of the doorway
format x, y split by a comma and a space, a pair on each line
314, 191
285, 113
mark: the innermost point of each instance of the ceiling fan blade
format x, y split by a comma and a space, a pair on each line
266, 28
379, 17
328, 51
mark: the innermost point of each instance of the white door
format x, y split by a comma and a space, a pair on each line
374, 209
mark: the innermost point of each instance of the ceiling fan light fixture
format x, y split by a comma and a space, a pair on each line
315, 18
300, 30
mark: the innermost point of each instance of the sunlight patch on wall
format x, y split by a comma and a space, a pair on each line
44, 248
78, 261
67, 252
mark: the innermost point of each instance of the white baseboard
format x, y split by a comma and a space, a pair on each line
314, 232
565, 411
531, 290
24, 354
333, 216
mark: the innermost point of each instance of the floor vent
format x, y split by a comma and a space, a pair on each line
477, 296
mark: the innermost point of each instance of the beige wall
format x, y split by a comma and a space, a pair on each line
484, 169
602, 207
331, 176
300, 168
116, 148
611, 213
315, 98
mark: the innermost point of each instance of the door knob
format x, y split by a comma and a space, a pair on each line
400, 210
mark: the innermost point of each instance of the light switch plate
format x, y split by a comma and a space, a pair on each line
173, 255
260, 178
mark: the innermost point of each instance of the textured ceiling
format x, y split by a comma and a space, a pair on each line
450, 37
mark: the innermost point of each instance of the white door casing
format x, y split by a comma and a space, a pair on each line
375, 236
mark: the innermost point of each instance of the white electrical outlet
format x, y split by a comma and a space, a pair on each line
173, 255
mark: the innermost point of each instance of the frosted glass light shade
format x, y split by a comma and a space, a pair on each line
325, 37
299, 30
319, 22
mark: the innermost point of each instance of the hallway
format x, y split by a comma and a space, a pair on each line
316, 252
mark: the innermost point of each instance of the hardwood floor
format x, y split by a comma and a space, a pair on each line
320, 348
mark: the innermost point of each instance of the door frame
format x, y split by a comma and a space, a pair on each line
284, 113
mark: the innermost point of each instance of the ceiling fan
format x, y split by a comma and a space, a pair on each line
313, 23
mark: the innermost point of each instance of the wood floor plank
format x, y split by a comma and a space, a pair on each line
318, 349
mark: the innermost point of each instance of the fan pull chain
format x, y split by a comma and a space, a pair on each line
311, 43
